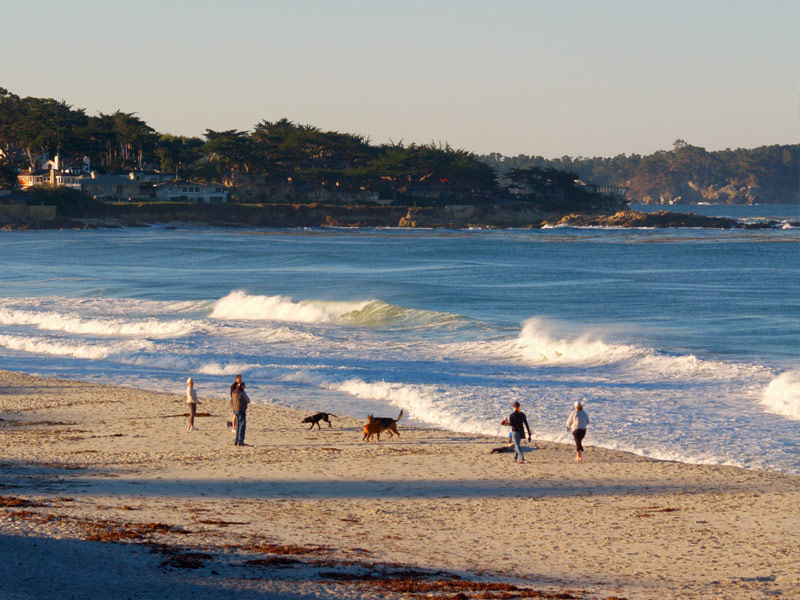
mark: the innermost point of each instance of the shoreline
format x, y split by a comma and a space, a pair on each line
103, 473
288, 216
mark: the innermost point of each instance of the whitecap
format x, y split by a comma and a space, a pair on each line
782, 395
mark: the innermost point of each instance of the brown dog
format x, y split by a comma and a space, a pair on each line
376, 426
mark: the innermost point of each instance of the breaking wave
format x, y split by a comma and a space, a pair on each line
538, 344
239, 305
366, 313
782, 395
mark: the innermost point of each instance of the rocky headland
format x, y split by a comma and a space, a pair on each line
489, 216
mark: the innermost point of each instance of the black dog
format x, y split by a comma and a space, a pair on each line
315, 419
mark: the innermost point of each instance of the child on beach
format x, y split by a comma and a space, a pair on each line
192, 401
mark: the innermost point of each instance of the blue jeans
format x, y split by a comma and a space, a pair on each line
241, 424
515, 437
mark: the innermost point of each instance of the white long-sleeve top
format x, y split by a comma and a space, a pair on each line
191, 395
578, 419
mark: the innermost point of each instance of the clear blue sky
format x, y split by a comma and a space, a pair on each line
576, 77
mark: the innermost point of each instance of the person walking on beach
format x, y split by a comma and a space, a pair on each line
239, 402
236, 383
192, 401
577, 422
518, 422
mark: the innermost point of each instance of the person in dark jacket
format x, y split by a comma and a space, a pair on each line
236, 383
518, 422
239, 402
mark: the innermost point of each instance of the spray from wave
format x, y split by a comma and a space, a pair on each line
782, 395
538, 344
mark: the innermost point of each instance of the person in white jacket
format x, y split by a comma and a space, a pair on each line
577, 422
192, 401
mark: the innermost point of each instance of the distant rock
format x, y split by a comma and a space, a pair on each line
660, 219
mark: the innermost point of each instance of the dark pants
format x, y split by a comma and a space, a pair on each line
241, 424
579, 434
192, 413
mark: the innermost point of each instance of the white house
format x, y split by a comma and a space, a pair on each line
54, 171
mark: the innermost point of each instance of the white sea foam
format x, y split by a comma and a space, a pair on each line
184, 363
782, 395
56, 321
69, 347
130, 352
105, 307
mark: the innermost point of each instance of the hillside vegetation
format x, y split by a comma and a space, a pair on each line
685, 174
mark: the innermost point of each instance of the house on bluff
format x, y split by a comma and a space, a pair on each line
191, 191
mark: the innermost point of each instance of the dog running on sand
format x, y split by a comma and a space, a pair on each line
320, 416
377, 425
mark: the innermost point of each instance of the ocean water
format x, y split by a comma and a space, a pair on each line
683, 344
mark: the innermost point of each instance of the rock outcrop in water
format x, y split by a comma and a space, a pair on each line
660, 219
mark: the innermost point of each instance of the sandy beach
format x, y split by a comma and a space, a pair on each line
105, 494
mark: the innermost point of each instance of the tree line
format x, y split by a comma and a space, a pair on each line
279, 150
686, 173
283, 151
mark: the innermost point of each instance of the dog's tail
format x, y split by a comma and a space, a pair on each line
400, 416
332, 415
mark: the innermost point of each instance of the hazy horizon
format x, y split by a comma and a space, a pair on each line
578, 79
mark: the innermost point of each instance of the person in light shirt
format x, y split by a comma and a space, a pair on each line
577, 422
192, 401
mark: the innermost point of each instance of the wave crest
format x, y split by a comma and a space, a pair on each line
380, 314
367, 313
240, 305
